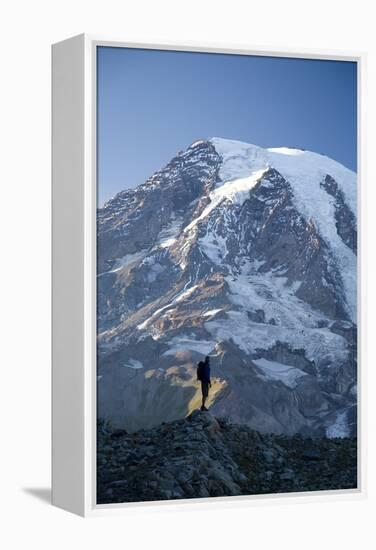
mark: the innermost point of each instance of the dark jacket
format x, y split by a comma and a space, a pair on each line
205, 373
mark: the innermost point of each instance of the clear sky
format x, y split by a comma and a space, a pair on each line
152, 103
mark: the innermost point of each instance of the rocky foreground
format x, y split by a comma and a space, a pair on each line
202, 456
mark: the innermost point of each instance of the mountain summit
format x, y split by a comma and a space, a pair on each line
244, 253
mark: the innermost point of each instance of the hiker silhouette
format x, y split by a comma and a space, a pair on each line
203, 375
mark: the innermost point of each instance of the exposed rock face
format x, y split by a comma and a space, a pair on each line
204, 456
345, 219
245, 254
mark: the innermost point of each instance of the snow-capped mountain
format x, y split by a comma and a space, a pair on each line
243, 253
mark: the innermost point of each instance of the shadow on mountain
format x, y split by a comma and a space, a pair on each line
153, 396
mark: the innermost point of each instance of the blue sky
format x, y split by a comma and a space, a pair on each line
152, 103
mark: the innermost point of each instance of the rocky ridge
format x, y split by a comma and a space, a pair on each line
207, 456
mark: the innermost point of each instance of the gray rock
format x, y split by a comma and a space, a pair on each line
287, 475
221, 465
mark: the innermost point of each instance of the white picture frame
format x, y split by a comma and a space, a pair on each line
74, 275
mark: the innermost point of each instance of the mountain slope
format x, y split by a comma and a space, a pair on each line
245, 254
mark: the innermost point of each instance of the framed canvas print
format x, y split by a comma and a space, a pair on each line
206, 282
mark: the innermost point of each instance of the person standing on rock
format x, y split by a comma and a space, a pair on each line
203, 375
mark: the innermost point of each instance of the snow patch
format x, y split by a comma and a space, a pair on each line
184, 342
196, 143
286, 151
211, 312
340, 427
214, 246
179, 298
235, 191
269, 292
323, 347
239, 159
185, 294
168, 236
126, 261
133, 364
271, 370
155, 269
